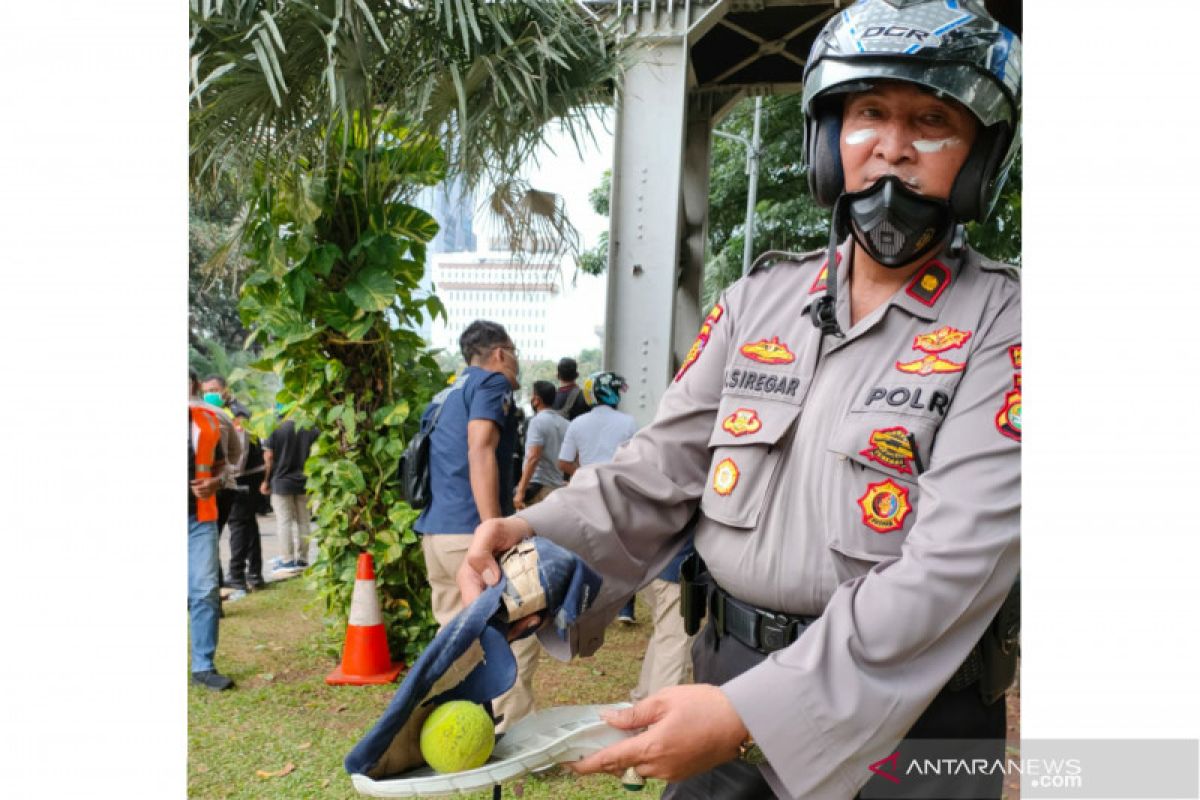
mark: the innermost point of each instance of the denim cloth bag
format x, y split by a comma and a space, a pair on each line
570, 586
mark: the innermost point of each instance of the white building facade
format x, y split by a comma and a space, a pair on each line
491, 286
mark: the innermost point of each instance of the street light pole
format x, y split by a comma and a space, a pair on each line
752, 155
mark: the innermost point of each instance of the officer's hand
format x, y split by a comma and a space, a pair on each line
519, 499
691, 730
265, 488
479, 569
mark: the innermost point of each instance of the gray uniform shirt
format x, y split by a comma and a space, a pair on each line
547, 429
873, 479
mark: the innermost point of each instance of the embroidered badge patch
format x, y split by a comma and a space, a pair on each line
820, 283
929, 283
1014, 353
701, 340
941, 340
768, 352
892, 448
725, 477
884, 506
1008, 421
929, 365
742, 422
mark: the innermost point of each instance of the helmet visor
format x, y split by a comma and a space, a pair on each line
976, 90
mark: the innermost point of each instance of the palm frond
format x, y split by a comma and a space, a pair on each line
487, 76
533, 224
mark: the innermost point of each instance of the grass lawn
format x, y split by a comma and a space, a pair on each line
281, 713
282, 718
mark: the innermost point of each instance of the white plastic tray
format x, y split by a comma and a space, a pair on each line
564, 733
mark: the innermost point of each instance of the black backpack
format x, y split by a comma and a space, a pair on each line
414, 461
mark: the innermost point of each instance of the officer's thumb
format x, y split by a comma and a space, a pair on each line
484, 564
638, 716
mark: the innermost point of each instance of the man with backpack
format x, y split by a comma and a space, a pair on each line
472, 432
569, 398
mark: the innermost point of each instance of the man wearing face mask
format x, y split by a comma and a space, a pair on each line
470, 457
239, 498
209, 397
845, 439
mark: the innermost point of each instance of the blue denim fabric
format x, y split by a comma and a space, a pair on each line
204, 598
671, 571
570, 587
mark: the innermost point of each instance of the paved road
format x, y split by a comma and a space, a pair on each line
270, 545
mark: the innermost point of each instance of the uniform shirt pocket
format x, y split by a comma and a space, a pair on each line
875, 460
745, 456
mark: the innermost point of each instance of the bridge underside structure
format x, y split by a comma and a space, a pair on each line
695, 59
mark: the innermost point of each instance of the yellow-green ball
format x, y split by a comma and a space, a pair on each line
457, 736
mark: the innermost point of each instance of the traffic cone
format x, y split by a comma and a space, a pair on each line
365, 656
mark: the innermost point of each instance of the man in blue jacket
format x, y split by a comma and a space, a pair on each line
470, 458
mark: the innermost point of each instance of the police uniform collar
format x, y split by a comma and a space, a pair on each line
924, 294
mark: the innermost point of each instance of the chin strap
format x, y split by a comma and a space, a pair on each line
958, 240
824, 310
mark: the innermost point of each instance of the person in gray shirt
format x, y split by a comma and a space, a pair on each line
595, 437
543, 440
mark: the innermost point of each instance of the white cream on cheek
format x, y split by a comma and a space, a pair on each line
935, 145
858, 137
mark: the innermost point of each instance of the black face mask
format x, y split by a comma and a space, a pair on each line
894, 224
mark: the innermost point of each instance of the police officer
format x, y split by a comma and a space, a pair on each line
845, 432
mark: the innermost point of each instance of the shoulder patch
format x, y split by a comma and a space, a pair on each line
1008, 420
772, 257
701, 341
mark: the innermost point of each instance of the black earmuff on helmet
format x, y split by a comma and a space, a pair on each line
822, 142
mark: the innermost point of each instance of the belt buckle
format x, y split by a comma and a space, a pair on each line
775, 631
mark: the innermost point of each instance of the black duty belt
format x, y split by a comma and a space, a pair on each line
764, 631
768, 631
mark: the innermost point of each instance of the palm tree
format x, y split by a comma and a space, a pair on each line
272, 78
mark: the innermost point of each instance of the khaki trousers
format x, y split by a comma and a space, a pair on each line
668, 660
291, 525
444, 553
541, 495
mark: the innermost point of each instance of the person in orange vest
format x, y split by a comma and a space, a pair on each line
206, 462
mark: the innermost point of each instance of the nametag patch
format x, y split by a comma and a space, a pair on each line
908, 399
770, 351
742, 422
767, 384
884, 506
725, 477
